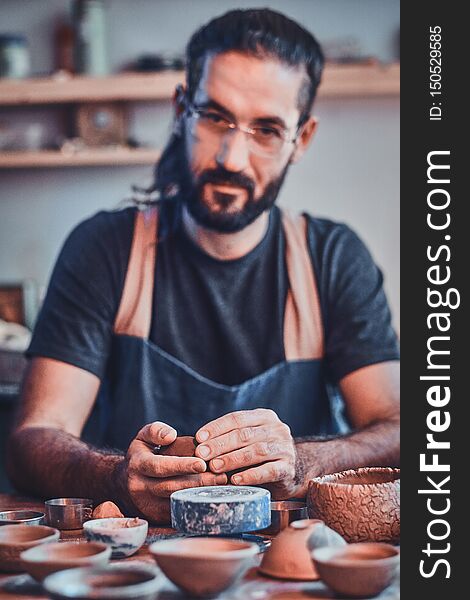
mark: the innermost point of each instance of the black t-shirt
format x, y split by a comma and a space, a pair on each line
224, 319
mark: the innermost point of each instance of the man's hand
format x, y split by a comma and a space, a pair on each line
150, 478
258, 443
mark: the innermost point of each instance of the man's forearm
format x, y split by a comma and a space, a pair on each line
375, 445
52, 463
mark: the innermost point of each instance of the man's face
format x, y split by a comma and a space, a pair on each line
228, 184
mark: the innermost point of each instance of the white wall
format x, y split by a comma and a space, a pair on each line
351, 172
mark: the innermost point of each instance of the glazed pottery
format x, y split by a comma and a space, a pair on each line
288, 556
203, 566
322, 535
220, 509
124, 535
357, 570
136, 581
14, 539
362, 505
43, 560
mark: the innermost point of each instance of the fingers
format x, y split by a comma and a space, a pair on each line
243, 438
157, 433
147, 464
166, 487
236, 420
163, 488
255, 454
270, 472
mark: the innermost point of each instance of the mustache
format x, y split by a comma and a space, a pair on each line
223, 177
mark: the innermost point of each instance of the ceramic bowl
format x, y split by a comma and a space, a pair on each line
124, 535
26, 517
357, 570
203, 566
362, 505
288, 557
134, 581
14, 539
43, 560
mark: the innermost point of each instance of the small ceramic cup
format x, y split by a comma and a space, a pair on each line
124, 535
357, 570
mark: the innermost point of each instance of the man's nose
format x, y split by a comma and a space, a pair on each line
233, 153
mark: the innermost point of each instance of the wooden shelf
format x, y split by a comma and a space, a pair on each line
338, 81
84, 158
53, 90
360, 81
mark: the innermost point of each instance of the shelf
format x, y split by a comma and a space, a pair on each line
338, 81
85, 158
360, 81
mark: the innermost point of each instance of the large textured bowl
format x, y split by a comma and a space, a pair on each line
362, 505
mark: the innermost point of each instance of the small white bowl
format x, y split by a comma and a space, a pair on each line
124, 535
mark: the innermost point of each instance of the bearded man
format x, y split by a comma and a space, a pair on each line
212, 313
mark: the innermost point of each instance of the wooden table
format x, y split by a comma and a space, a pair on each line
251, 587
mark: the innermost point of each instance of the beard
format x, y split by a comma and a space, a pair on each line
226, 219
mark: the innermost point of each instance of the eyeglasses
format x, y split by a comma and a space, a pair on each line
263, 140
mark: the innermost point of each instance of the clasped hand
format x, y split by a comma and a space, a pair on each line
257, 445
250, 447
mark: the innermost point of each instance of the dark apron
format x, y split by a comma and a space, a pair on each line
145, 384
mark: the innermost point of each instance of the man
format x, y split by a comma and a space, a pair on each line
213, 314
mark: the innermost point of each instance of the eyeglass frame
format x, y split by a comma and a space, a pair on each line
192, 110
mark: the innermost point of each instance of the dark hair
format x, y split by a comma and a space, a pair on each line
258, 32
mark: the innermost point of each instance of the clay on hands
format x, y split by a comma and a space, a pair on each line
182, 446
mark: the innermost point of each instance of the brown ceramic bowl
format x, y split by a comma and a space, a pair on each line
15, 539
128, 581
362, 505
357, 570
203, 566
43, 560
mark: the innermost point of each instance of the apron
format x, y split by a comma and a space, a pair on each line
144, 383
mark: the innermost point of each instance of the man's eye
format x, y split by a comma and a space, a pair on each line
213, 117
267, 132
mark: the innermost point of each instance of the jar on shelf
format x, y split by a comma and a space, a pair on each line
14, 56
90, 37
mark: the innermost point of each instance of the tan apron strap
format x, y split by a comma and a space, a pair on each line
303, 328
134, 316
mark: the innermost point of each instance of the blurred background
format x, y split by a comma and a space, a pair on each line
85, 89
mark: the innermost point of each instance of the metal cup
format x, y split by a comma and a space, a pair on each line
21, 516
283, 513
68, 513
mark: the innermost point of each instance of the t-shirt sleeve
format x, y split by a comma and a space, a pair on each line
75, 323
357, 319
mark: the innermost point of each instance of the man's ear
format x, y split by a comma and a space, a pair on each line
305, 137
